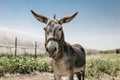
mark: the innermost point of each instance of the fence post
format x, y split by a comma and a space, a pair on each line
35, 49
15, 46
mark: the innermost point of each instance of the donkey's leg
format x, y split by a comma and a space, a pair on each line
71, 76
78, 75
57, 77
83, 74
54, 77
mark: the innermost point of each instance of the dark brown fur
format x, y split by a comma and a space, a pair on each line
73, 58
118, 51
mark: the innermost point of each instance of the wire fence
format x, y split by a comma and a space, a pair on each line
15, 50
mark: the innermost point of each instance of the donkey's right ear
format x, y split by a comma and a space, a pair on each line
40, 17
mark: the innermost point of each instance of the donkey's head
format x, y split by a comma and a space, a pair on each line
54, 36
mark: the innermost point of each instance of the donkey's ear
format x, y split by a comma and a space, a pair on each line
40, 17
68, 18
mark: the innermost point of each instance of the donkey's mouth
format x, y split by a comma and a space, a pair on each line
51, 56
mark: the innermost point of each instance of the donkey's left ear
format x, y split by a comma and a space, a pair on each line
68, 18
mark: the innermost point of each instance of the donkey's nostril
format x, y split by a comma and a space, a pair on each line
46, 48
55, 49
51, 50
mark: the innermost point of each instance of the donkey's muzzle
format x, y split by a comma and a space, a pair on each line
52, 47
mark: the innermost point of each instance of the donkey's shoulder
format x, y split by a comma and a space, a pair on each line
77, 46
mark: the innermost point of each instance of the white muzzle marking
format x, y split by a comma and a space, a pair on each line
52, 48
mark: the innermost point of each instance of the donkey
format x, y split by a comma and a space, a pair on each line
118, 51
67, 59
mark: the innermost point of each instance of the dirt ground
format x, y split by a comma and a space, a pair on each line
47, 76
35, 76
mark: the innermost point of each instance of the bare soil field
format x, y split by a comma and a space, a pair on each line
37, 76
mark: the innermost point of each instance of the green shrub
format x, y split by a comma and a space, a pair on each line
108, 51
92, 69
27, 65
95, 68
4, 65
24, 65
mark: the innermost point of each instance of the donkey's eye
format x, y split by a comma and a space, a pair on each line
44, 29
60, 29
47, 33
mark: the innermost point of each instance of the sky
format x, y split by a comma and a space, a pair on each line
96, 26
